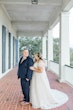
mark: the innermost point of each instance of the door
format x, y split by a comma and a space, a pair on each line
9, 50
3, 49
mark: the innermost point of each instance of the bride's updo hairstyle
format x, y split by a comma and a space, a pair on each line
39, 56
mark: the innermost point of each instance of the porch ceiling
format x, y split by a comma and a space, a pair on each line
26, 17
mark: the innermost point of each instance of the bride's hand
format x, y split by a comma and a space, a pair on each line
31, 67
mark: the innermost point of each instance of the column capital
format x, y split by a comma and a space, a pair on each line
64, 13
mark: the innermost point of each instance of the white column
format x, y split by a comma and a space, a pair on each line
64, 58
17, 51
50, 47
11, 51
44, 53
14, 51
44, 47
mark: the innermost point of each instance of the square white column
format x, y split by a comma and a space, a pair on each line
44, 47
14, 51
50, 47
64, 54
17, 51
11, 51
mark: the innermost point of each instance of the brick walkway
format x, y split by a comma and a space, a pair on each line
10, 92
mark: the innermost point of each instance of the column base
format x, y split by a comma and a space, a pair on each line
60, 80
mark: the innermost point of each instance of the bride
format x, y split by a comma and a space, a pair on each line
41, 95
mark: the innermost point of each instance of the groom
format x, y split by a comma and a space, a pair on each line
25, 75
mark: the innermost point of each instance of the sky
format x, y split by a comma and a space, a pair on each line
56, 29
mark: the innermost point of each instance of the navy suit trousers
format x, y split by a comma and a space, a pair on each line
25, 85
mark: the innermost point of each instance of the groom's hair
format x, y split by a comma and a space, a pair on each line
25, 49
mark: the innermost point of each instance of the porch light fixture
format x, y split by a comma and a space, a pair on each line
34, 2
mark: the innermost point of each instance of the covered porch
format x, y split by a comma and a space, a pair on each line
10, 92
24, 18
28, 18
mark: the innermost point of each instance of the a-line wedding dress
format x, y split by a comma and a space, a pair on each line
41, 95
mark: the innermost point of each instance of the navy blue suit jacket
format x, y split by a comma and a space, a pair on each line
24, 68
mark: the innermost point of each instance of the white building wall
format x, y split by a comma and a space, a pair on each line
4, 20
68, 72
0, 48
54, 67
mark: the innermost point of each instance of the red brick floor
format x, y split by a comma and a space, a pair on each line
10, 92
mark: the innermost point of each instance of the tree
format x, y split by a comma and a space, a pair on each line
71, 56
34, 45
56, 49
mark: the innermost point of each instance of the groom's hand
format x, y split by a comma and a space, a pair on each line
27, 79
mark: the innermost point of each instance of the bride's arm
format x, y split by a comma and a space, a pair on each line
39, 69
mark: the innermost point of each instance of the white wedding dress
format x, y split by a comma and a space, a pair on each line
41, 95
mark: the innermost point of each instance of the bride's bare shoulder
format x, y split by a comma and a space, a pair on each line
41, 62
